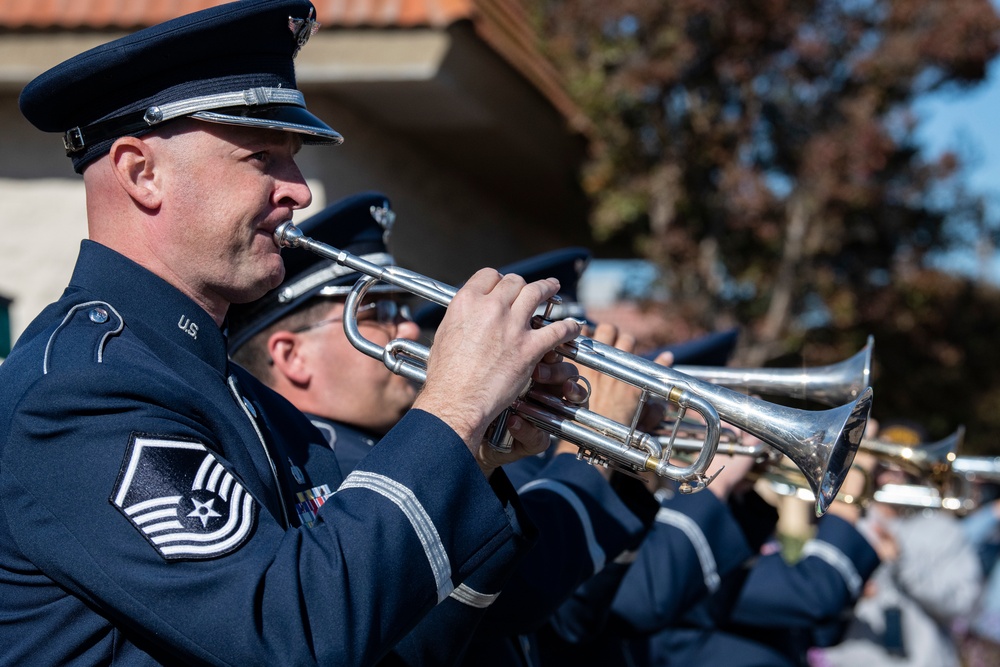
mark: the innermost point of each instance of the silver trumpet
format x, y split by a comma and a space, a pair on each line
933, 461
970, 471
824, 442
934, 464
901, 495
977, 468
829, 385
925, 497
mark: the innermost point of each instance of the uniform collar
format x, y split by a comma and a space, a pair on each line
147, 301
334, 431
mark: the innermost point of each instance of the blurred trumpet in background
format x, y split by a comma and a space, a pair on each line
932, 465
827, 385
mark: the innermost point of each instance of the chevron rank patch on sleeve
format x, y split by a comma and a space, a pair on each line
180, 497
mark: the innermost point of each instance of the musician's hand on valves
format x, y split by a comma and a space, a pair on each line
484, 352
613, 398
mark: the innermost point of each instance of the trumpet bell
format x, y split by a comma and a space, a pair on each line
821, 443
831, 462
932, 461
823, 446
833, 384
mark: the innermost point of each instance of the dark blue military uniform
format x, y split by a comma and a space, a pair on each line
695, 549
160, 505
150, 492
584, 526
588, 530
779, 609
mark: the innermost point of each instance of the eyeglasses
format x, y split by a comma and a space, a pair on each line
386, 311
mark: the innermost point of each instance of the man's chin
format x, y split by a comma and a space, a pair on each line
275, 274
259, 288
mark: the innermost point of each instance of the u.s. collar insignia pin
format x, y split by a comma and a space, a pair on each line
302, 30
384, 216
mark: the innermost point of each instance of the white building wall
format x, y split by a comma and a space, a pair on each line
42, 222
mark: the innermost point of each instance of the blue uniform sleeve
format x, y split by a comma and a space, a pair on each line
401, 533
827, 579
584, 615
583, 525
581, 521
693, 545
444, 635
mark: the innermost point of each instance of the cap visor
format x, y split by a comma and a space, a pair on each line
281, 117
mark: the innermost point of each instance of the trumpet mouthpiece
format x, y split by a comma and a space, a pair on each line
287, 235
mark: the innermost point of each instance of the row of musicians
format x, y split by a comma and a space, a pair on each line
625, 571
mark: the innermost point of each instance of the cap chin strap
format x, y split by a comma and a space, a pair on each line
77, 138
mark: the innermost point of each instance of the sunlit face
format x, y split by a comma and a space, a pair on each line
227, 188
350, 386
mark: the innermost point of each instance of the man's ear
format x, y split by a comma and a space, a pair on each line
134, 165
287, 355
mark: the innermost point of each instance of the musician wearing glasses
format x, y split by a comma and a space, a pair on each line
160, 505
294, 340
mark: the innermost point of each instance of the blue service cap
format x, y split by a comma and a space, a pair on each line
230, 64
713, 349
566, 265
359, 224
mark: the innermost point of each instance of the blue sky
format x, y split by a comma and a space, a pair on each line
966, 121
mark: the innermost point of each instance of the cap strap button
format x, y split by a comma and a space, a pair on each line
153, 115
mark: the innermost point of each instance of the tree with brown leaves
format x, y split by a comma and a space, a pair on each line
763, 153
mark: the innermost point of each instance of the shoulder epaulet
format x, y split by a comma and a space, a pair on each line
82, 335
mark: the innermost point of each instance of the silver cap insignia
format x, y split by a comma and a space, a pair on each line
302, 30
385, 217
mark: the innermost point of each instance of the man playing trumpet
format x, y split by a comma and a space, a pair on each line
152, 490
293, 339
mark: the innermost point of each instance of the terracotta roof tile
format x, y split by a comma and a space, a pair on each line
128, 14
